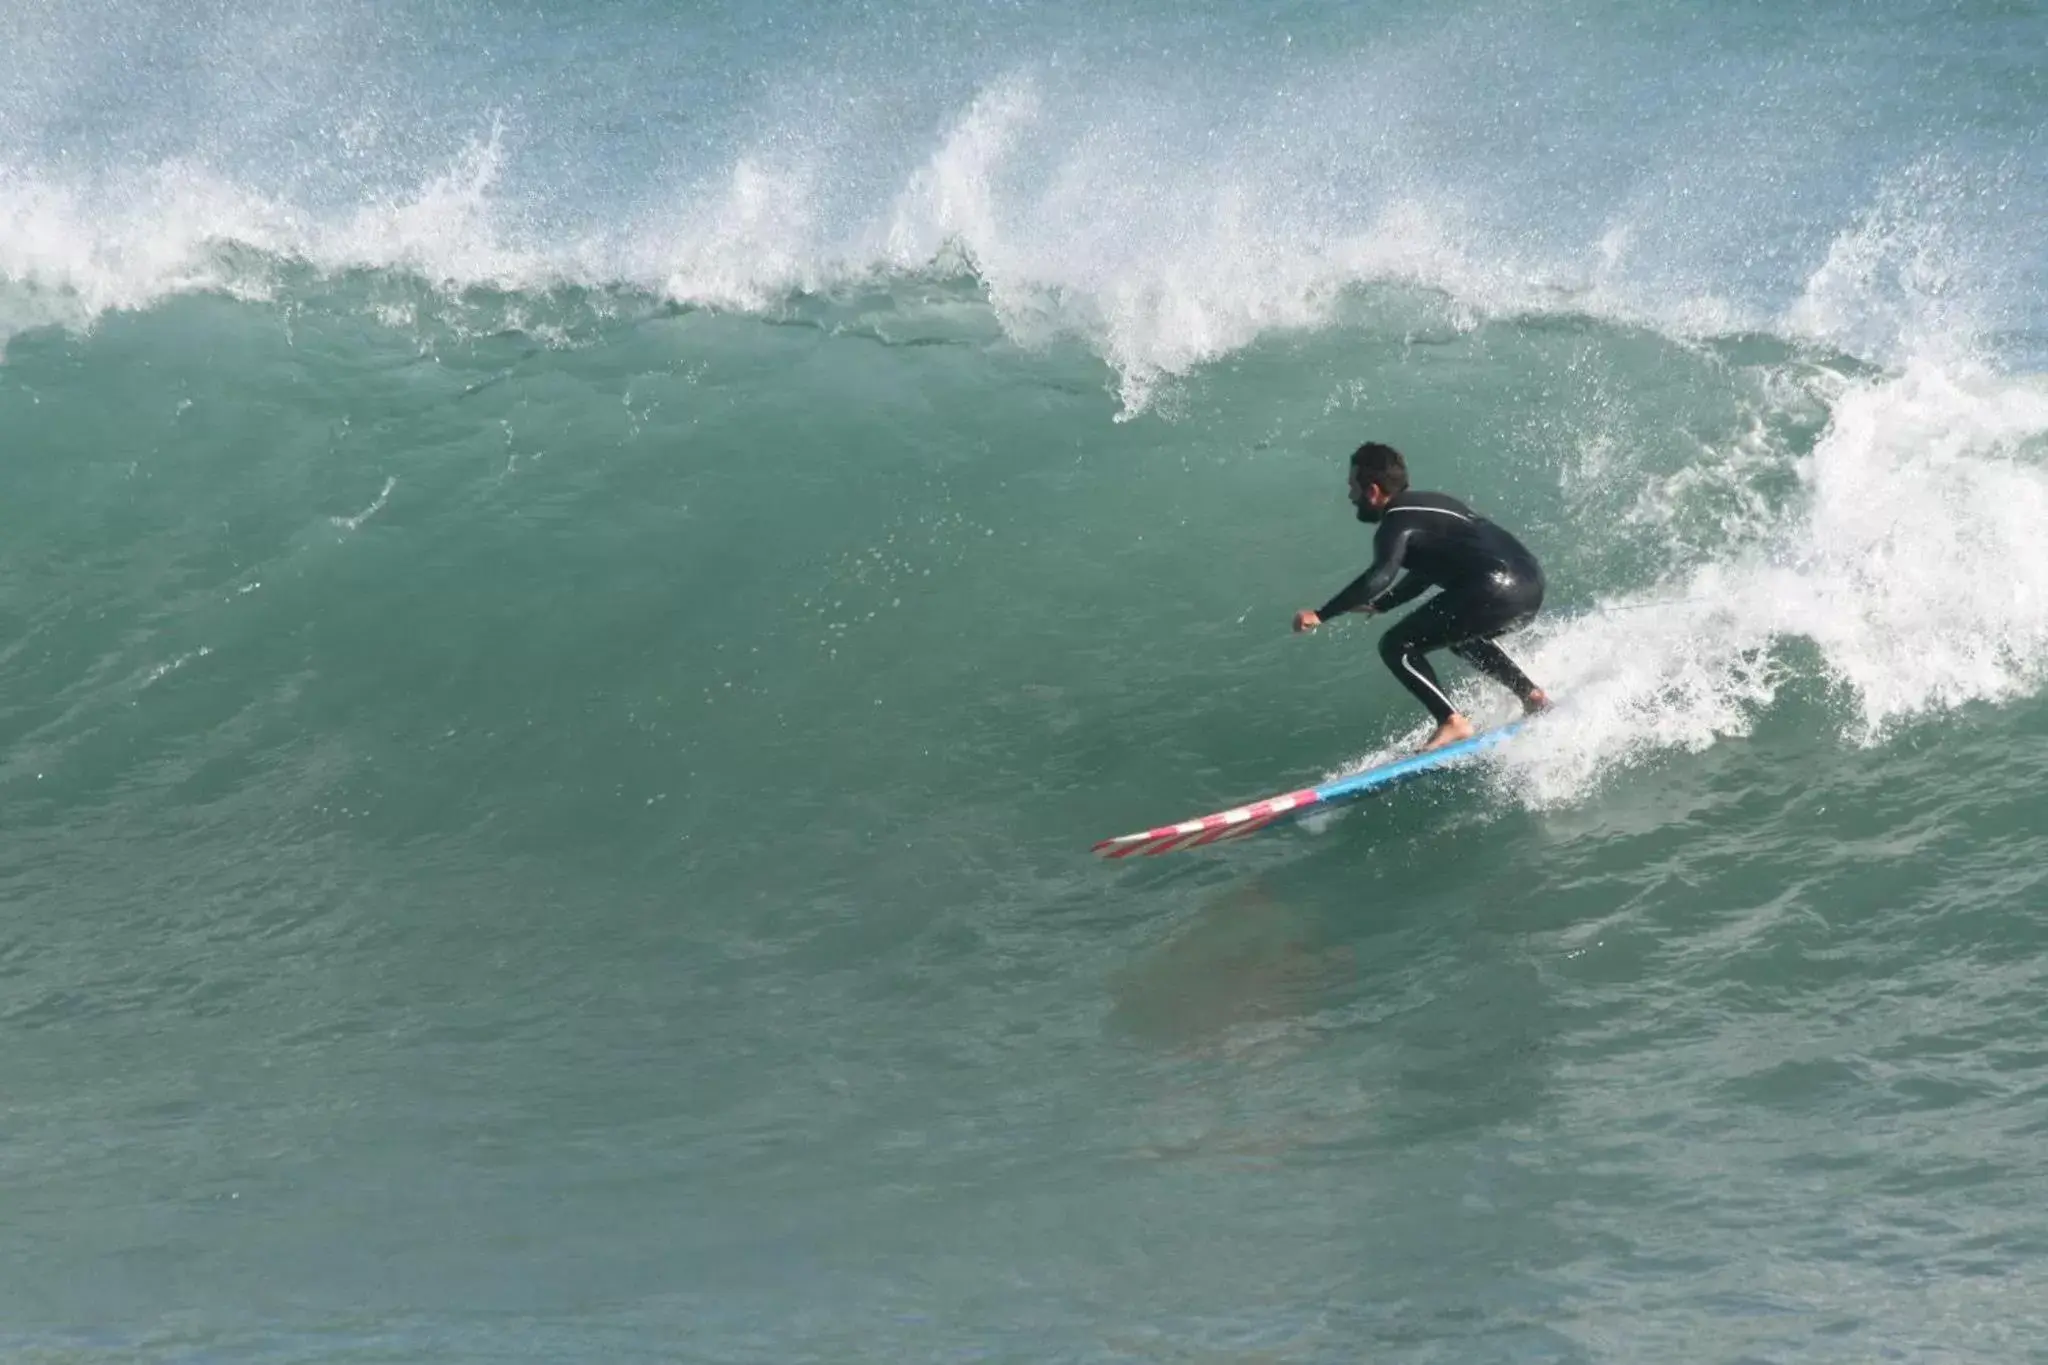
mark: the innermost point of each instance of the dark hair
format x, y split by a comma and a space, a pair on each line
1383, 465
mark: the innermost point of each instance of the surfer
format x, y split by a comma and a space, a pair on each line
1491, 585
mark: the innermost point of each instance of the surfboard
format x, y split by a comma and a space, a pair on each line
1239, 821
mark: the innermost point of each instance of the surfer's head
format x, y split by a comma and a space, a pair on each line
1378, 476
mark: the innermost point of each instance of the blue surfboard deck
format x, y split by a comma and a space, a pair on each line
1386, 774
1239, 821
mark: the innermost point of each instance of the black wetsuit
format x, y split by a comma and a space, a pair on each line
1491, 585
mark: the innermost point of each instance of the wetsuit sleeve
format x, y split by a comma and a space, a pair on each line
1407, 590
1389, 547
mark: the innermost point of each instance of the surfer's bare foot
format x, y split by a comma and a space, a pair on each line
1450, 732
1536, 701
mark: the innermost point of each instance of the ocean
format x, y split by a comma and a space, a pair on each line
579, 581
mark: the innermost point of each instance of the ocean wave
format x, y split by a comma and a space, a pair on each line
1078, 230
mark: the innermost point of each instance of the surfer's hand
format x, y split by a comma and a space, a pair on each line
1306, 620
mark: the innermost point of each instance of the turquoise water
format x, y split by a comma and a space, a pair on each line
579, 583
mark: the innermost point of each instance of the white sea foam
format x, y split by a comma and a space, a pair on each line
1911, 562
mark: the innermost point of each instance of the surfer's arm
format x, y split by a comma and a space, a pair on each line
1390, 546
1411, 586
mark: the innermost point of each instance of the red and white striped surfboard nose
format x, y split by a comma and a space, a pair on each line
1228, 824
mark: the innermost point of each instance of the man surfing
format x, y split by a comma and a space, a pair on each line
1490, 584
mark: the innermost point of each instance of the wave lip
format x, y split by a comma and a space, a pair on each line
1158, 233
